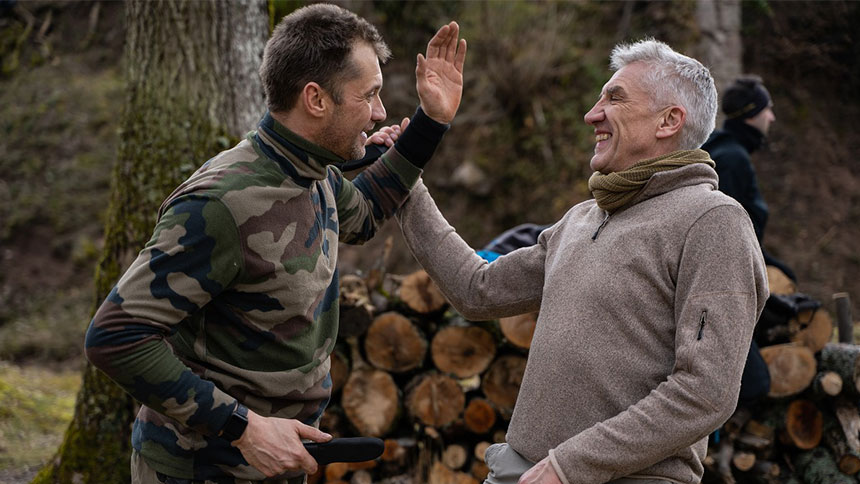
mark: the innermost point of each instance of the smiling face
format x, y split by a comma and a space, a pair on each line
344, 132
625, 121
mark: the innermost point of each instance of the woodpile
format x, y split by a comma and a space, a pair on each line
807, 429
440, 389
436, 388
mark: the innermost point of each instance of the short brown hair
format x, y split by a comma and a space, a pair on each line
313, 44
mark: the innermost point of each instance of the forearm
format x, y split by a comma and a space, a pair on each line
133, 353
511, 285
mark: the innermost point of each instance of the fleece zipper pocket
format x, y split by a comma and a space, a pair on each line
702, 321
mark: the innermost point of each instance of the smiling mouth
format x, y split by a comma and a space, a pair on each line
601, 137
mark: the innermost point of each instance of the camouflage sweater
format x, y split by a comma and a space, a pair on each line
235, 295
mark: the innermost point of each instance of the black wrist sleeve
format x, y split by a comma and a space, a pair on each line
419, 140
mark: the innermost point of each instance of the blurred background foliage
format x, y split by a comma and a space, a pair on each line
517, 152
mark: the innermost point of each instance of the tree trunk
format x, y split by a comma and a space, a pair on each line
720, 47
192, 89
434, 399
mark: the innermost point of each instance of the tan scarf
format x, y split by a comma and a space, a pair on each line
614, 190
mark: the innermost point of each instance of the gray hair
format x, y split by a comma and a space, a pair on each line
674, 78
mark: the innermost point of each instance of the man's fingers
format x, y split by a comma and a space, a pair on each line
451, 45
460, 60
312, 433
420, 67
437, 42
404, 124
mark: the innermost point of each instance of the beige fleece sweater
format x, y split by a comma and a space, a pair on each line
645, 322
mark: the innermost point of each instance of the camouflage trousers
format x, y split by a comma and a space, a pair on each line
141, 473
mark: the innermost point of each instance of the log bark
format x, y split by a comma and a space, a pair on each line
464, 351
849, 422
394, 344
501, 383
339, 371
818, 467
356, 310
479, 416
812, 328
847, 458
804, 424
844, 359
519, 329
844, 321
792, 368
421, 294
434, 399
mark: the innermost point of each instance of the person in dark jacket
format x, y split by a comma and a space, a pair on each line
749, 113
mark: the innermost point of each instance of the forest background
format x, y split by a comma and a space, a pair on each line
518, 151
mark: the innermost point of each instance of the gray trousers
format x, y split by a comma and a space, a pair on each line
507, 465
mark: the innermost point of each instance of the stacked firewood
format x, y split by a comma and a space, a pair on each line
439, 390
408, 369
807, 429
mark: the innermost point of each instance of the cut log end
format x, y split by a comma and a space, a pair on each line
520, 329
435, 400
804, 424
792, 368
479, 416
394, 344
370, 401
464, 351
502, 382
421, 294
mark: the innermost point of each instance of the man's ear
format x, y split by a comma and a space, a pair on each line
314, 100
671, 122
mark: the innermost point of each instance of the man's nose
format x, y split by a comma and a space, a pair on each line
378, 114
594, 115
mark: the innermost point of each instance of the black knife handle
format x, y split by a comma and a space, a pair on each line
348, 449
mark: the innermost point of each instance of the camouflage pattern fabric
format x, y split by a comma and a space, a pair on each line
235, 297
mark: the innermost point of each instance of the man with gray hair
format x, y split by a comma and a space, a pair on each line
647, 294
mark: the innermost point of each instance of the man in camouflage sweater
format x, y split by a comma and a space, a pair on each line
223, 325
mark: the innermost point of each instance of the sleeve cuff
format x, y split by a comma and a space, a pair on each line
419, 140
557, 467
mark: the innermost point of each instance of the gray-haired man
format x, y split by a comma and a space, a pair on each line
648, 293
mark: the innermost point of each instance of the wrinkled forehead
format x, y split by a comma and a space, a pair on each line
630, 79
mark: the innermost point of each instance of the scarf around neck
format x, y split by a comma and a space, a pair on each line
615, 190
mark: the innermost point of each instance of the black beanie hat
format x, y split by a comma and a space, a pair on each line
745, 98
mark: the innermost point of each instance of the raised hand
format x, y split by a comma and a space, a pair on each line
439, 76
274, 445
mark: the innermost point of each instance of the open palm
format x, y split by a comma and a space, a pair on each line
439, 75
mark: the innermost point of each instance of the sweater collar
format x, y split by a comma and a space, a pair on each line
748, 136
297, 156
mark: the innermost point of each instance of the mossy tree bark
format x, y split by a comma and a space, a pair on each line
192, 90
